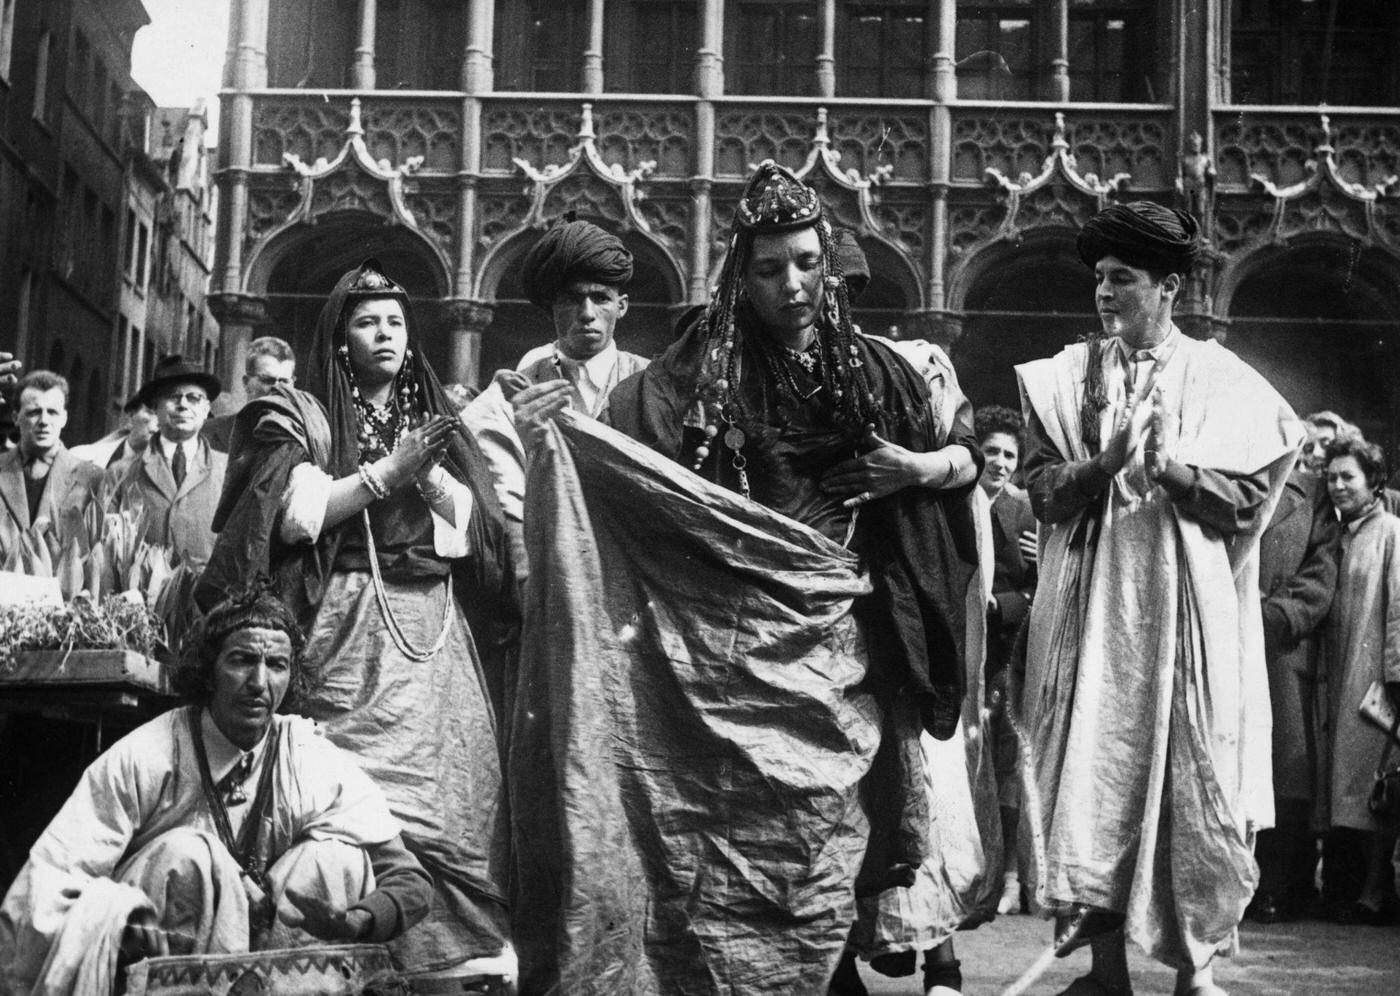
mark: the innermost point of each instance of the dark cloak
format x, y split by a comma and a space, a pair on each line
919, 545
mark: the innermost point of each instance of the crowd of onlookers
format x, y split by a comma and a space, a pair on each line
1327, 573
1329, 580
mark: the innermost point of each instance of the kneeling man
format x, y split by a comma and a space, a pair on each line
216, 827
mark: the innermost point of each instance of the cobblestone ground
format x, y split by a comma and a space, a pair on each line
1306, 958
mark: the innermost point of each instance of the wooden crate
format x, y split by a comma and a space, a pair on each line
67, 668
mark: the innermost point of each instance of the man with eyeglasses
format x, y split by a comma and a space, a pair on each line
179, 478
271, 364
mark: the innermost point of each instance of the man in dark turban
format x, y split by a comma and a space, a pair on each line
577, 272
1153, 464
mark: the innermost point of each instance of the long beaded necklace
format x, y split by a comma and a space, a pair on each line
379, 432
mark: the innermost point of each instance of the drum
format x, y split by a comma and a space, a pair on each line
319, 970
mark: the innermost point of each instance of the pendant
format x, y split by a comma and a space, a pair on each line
734, 438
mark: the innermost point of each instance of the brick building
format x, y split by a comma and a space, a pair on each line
65, 71
105, 207
964, 142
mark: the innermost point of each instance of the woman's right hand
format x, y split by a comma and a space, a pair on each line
419, 450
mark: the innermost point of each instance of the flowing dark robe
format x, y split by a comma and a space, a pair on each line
919, 545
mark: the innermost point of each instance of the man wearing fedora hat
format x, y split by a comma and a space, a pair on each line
179, 478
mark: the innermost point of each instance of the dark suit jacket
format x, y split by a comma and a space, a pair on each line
180, 518
72, 485
1298, 556
1013, 579
218, 431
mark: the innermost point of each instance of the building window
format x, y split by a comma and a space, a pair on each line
1007, 49
772, 47
122, 356
7, 36
99, 97
881, 49
129, 249
1109, 49
25, 315
418, 44
997, 45
541, 44
311, 43
650, 46
78, 75
1301, 52
143, 238
41, 75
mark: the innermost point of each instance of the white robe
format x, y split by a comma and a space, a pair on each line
1146, 692
127, 803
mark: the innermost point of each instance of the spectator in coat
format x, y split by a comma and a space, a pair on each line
179, 479
1297, 577
125, 443
999, 434
1362, 648
43, 487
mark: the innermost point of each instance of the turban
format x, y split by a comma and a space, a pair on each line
1142, 234
855, 269
569, 251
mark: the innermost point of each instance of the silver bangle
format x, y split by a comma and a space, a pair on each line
371, 480
433, 494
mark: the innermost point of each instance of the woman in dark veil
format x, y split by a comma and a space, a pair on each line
375, 513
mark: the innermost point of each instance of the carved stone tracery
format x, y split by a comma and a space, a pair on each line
744, 138
351, 181
398, 132
542, 135
306, 129
631, 136
1059, 196
1324, 200
589, 186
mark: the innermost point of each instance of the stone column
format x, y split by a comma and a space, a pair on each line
941, 26
1057, 83
709, 58
478, 63
593, 54
240, 316
826, 58
465, 322
477, 78
362, 69
249, 73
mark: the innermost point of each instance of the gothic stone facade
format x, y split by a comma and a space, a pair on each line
967, 208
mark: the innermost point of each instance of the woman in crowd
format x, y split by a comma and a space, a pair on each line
1363, 647
374, 511
1013, 534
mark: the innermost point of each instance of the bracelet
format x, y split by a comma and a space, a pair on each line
371, 479
433, 493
